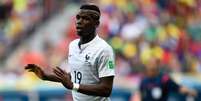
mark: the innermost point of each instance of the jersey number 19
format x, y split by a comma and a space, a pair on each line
78, 76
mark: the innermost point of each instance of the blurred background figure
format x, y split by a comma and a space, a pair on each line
39, 31
157, 86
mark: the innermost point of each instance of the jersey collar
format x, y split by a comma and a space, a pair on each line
83, 46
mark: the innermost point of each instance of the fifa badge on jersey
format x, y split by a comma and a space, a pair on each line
110, 64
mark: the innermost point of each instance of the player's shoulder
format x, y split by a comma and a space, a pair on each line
74, 43
104, 45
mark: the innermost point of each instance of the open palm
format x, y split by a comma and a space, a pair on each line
35, 69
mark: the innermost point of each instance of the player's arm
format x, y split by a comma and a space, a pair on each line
104, 88
106, 74
41, 74
172, 85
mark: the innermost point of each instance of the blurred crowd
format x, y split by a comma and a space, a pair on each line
19, 19
168, 30
138, 30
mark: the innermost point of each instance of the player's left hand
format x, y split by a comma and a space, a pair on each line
64, 77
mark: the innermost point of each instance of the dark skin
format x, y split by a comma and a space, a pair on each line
86, 26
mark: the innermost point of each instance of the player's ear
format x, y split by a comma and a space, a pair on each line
97, 22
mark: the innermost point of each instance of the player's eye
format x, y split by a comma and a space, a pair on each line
77, 17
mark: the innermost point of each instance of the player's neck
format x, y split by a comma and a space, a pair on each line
86, 39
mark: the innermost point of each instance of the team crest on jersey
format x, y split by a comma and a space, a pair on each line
87, 57
110, 64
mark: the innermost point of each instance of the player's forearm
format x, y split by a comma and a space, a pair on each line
97, 90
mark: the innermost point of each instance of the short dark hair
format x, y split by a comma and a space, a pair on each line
91, 7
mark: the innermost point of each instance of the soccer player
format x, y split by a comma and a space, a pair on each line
156, 86
90, 61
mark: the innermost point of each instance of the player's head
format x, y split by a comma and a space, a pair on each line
87, 19
152, 67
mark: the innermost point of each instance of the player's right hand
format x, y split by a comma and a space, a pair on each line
35, 69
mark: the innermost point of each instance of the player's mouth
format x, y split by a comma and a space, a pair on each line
79, 28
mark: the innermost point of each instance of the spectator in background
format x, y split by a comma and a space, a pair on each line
33, 57
134, 27
156, 86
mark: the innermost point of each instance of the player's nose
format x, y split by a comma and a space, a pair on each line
79, 24
79, 21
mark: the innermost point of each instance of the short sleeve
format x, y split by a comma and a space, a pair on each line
64, 66
106, 63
